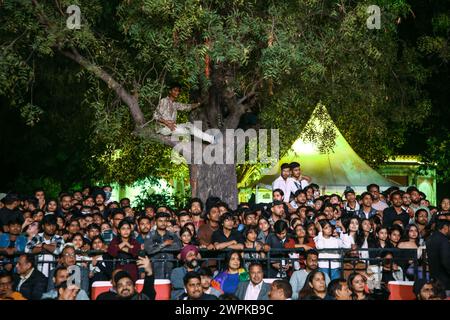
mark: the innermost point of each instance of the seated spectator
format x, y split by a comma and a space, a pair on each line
428, 289
66, 292
277, 240
206, 230
28, 280
60, 275
298, 278
188, 256
125, 248
228, 280
338, 290
111, 294
264, 229
280, 290
206, 277
315, 287
99, 269
357, 284
6, 288
256, 288
250, 235
68, 259
226, 237
193, 287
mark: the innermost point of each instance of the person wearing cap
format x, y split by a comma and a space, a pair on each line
162, 244
277, 211
46, 245
351, 206
9, 211
188, 255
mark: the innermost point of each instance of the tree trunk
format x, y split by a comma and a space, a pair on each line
218, 180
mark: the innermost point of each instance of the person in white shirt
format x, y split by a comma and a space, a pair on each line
166, 117
326, 240
256, 288
300, 181
285, 182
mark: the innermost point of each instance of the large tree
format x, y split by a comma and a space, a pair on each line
277, 59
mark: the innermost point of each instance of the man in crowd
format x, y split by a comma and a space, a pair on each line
300, 181
188, 255
9, 211
377, 204
196, 209
338, 290
280, 290
396, 211
6, 288
256, 288
285, 182
226, 236
438, 250
159, 244
60, 275
11, 243
29, 281
193, 287
351, 206
366, 211
206, 276
46, 245
144, 226
298, 278
206, 230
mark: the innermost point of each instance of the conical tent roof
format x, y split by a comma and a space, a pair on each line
339, 167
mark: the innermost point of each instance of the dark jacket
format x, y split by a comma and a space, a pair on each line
155, 248
148, 292
438, 251
204, 296
33, 287
389, 215
242, 290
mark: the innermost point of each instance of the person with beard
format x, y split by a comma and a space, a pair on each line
125, 288
396, 211
65, 205
415, 197
193, 286
100, 198
421, 221
196, 209
9, 212
144, 226
188, 256
377, 203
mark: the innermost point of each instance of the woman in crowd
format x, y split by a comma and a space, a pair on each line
395, 233
315, 287
357, 284
250, 234
364, 237
125, 248
228, 280
52, 206
326, 240
264, 229
408, 244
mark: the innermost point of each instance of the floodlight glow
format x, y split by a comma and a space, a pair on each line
302, 147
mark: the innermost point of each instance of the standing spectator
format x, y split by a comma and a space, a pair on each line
196, 210
366, 211
46, 245
277, 212
9, 211
226, 236
256, 288
126, 249
315, 287
277, 240
377, 204
12, 243
6, 288
338, 290
298, 278
29, 281
158, 242
60, 275
188, 256
285, 182
144, 226
396, 211
228, 280
205, 231
250, 234
326, 240
351, 206
280, 290
193, 286
438, 250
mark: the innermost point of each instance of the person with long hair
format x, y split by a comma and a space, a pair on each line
409, 243
299, 241
233, 272
357, 284
395, 233
314, 287
380, 241
126, 248
250, 234
326, 240
264, 229
364, 237
51, 207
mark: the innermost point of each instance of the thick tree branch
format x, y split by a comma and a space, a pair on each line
130, 100
239, 108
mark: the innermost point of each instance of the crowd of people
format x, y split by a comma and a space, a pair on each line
310, 246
